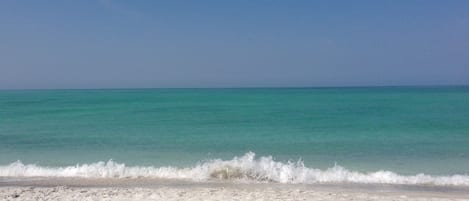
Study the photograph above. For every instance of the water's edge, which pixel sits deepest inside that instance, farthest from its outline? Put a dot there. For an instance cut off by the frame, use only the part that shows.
(246, 168)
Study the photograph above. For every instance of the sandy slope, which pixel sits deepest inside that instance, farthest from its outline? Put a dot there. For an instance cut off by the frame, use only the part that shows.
(202, 193)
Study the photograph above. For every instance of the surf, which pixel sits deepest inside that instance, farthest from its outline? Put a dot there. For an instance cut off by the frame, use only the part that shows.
(244, 168)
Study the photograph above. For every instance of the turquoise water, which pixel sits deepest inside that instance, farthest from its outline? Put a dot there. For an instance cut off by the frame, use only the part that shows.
(407, 130)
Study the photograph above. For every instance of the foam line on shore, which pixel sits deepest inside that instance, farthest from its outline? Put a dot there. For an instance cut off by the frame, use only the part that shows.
(246, 168)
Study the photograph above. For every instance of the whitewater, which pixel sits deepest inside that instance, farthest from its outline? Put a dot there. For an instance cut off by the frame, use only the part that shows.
(245, 168)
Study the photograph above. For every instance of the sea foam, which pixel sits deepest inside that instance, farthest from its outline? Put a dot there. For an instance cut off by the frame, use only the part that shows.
(246, 168)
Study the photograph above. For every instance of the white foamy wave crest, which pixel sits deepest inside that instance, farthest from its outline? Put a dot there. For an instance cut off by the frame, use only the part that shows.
(247, 167)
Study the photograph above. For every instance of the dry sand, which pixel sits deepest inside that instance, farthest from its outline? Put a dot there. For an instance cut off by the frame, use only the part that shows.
(138, 189)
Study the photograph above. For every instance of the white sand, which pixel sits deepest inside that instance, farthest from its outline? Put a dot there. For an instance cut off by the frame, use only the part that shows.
(203, 193)
(157, 189)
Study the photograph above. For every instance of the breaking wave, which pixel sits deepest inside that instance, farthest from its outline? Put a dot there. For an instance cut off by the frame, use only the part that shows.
(247, 167)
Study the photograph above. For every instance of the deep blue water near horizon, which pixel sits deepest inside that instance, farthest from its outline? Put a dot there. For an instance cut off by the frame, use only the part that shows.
(403, 129)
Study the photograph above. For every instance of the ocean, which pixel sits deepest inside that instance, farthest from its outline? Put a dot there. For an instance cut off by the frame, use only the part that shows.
(395, 135)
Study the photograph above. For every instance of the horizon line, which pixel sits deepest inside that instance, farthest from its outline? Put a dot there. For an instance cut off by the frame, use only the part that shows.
(245, 87)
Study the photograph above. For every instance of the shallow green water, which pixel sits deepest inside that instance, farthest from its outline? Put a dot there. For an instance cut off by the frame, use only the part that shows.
(403, 129)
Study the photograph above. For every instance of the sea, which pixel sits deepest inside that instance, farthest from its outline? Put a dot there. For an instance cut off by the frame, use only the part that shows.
(382, 135)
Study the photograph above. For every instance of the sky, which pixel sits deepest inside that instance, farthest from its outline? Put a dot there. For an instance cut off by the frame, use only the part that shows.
(244, 43)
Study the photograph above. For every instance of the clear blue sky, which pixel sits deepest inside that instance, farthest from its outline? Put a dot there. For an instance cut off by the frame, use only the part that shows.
(263, 43)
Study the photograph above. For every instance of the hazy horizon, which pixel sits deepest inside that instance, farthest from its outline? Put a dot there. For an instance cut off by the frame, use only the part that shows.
(248, 87)
(101, 44)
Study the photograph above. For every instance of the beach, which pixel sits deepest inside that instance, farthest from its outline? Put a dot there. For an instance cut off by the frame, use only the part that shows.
(152, 189)
(234, 100)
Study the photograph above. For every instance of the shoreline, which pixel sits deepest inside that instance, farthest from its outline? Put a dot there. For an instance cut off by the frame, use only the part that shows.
(169, 189)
